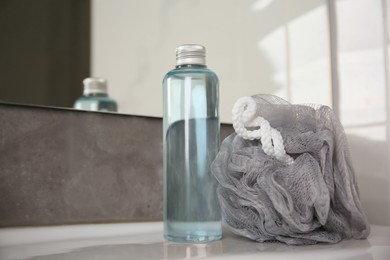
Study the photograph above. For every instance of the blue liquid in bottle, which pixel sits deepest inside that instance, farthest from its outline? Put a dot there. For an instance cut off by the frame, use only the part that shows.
(191, 143)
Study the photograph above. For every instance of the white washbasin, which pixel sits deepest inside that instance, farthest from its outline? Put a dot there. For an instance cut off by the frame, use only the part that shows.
(145, 241)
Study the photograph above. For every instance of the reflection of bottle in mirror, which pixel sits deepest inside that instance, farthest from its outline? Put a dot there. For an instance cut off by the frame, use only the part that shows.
(95, 96)
(191, 142)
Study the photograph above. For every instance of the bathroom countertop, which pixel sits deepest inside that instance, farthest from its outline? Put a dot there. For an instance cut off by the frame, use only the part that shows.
(145, 241)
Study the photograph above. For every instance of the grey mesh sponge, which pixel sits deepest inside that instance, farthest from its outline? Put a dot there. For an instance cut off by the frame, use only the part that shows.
(315, 199)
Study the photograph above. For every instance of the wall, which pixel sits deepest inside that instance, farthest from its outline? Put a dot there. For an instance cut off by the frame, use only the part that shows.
(363, 97)
(253, 46)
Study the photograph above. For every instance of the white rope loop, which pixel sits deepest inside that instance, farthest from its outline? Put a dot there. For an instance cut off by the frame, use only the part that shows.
(244, 115)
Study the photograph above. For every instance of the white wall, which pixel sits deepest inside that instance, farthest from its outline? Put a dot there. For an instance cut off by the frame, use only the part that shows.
(253, 46)
(364, 98)
(279, 47)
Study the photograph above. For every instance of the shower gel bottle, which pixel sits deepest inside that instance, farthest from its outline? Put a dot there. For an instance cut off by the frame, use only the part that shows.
(95, 96)
(191, 143)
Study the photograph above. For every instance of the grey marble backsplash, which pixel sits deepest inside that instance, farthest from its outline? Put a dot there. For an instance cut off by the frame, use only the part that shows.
(63, 166)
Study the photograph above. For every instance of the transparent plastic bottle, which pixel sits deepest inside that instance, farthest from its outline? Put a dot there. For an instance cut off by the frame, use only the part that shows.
(191, 143)
(95, 96)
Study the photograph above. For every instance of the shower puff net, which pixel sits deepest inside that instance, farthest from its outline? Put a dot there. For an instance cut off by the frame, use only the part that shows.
(286, 175)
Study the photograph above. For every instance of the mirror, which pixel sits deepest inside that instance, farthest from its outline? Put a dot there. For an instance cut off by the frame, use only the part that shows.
(254, 46)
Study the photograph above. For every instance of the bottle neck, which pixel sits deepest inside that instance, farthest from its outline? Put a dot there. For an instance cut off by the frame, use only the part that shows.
(191, 66)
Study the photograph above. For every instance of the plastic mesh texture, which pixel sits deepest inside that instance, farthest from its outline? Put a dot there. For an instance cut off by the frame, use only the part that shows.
(315, 199)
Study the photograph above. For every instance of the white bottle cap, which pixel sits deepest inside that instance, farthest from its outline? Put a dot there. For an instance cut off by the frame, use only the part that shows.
(190, 54)
(95, 85)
